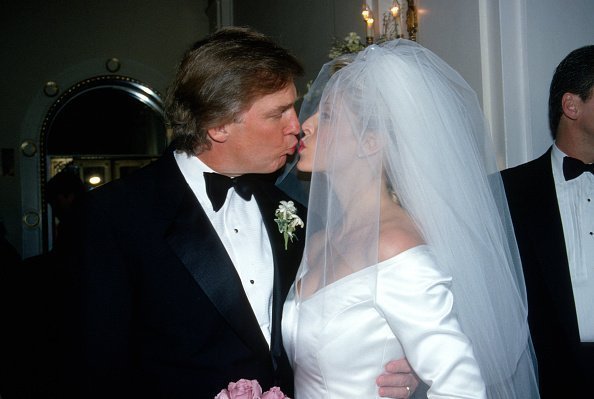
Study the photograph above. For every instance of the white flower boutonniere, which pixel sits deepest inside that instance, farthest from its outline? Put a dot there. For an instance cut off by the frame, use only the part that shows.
(287, 220)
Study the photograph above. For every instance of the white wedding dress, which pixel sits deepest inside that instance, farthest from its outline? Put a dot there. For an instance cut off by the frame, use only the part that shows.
(340, 338)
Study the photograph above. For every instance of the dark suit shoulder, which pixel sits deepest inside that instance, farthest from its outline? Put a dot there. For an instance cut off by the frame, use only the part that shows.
(160, 178)
(149, 198)
(162, 169)
(528, 170)
(528, 179)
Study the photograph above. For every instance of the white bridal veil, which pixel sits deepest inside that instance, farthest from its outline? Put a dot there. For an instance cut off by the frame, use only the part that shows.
(399, 115)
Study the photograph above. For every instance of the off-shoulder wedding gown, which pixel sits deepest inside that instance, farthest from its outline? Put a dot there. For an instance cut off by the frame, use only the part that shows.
(340, 338)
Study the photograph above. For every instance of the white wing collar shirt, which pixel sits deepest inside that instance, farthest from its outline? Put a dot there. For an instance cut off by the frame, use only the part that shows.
(241, 229)
(576, 205)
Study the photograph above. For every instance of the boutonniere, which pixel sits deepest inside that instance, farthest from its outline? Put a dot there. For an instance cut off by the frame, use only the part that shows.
(287, 220)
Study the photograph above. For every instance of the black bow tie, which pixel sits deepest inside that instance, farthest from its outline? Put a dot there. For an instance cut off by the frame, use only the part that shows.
(218, 185)
(572, 168)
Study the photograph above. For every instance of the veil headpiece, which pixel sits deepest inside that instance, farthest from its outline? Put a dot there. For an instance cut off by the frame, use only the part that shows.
(398, 115)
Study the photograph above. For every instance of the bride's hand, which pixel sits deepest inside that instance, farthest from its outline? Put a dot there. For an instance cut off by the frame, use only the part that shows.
(399, 381)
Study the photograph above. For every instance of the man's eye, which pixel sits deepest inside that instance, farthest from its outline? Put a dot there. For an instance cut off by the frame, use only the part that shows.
(277, 115)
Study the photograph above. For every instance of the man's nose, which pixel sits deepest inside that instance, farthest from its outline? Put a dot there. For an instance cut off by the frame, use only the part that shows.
(293, 126)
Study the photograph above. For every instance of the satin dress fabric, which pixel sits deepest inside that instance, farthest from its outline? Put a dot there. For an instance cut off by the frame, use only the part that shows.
(340, 338)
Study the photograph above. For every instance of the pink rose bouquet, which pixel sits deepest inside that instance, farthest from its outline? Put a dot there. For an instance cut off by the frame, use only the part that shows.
(274, 393)
(249, 389)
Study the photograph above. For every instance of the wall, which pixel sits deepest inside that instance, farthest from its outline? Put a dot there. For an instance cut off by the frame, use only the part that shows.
(70, 40)
(451, 29)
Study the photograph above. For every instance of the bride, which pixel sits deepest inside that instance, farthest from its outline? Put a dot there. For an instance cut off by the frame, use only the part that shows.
(409, 246)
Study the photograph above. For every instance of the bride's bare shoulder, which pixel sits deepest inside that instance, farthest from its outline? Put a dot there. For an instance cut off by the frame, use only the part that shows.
(398, 235)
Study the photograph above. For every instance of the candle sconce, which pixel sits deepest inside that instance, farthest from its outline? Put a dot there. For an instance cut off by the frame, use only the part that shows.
(398, 20)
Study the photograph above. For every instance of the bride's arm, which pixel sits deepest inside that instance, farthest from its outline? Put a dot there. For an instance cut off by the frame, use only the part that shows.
(415, 298)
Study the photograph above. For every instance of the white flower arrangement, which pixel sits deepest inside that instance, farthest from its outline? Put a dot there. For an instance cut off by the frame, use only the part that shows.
(287, 220)
(351, 44)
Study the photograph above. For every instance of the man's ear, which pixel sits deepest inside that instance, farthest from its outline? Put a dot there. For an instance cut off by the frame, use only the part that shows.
(218, 134)
(571, 105)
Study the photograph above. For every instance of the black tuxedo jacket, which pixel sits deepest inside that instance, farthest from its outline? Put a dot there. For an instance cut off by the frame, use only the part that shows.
(565, 365)
(157, 309)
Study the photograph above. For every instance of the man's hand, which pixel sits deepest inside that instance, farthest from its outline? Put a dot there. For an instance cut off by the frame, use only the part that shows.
(399, 381)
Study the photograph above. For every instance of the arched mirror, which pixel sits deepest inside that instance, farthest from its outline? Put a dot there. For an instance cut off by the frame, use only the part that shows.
(99, 130)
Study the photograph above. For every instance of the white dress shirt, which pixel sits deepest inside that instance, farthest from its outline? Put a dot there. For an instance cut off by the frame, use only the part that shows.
(576, 205)
(241, 229)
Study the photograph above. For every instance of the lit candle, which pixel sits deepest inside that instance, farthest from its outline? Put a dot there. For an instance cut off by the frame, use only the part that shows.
(394, 10)
(369, 28)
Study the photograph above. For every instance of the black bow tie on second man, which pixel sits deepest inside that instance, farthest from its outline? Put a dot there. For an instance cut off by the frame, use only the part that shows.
(572, 168)
(217, 186)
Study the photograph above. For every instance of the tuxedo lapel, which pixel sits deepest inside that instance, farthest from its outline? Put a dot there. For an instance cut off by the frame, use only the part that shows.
(556, 272)
(549, 242)
(286, 261)
(197, 245)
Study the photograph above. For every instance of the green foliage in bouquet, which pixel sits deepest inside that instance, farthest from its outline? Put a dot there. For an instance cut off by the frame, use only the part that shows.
(350, 44)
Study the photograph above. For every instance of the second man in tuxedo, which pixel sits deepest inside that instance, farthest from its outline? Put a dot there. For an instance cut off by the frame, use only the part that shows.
(551, 202)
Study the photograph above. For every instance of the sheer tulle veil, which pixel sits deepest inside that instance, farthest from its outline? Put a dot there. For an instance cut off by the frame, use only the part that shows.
(398, 115)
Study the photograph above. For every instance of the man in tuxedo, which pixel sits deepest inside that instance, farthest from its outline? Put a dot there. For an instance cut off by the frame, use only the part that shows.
(178, 273)
(551, 201)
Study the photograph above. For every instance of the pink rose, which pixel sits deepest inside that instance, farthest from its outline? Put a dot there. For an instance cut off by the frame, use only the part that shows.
(274, 393)
(242, 389)
(224, 394)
